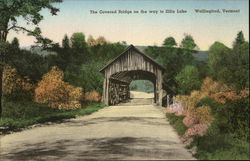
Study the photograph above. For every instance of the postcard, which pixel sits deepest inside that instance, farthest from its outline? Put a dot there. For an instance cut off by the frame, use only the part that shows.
(124, 80)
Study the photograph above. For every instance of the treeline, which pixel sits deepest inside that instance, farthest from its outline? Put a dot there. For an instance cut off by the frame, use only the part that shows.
(65, 78)
(184, 73)
(79, 59)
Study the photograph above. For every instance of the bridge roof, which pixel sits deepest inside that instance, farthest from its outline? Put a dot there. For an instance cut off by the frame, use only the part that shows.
(131, 47)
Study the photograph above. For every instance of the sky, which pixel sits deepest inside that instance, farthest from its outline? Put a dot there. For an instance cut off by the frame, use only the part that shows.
(145, 29)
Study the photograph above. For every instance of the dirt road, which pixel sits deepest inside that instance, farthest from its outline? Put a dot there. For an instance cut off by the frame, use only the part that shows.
(125, 132)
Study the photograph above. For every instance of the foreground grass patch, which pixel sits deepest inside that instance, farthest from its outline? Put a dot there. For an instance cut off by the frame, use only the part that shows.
(12, 123)
(221, 147)
(176, 122)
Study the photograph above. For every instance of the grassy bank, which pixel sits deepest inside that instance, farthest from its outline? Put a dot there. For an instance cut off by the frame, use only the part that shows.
(176, 122)
(214, 145)
(42, 114)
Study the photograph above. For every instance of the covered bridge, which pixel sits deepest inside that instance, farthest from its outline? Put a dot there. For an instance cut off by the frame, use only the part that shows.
(130, 65)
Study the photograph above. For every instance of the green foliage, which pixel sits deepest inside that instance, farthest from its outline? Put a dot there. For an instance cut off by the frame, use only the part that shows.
(65, 42)
(239, 40)
(169, 42)
(29, 10)
(230, 65)
(176, 122)
(218, 55)
(24, 109)
(28, 64)
(106, 52)
(188, 42)
(221, 147)
(15, 43)
(174, 60)
(188, 79)
(78, 41)
(142, 86)
(232, 117)
(87, 75)
(91, 78)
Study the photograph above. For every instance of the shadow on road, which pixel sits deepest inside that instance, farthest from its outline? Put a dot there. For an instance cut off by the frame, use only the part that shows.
(99, 148)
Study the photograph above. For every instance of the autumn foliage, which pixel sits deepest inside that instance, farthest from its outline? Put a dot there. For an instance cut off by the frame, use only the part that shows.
(198, 119)
(223, 97)
(53, 91)
(12, 81)
(92, 96)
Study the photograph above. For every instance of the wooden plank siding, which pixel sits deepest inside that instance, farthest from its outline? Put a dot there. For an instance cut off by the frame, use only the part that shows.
(128, 66)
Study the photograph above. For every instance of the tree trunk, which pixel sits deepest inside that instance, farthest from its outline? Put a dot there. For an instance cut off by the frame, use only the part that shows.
(3, 38)
(1, 88)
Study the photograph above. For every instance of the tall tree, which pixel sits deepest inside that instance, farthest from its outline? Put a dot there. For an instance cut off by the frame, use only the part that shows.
(78, 41)
(218, 59)
(169, 42)
(15, 42)
(30, 11)
(91, 41)
(188, 42)
(239, 39)
(65, 42)
(188, 79)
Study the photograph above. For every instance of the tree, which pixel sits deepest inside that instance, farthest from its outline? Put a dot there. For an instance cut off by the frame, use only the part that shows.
(78, 41)
(188, 42)
(169, 42)
(239, 39)
(91, 41)
(15, 42)
(218, 60)
(65, 42)
(30, 11)
(101, 40)
(188, 79)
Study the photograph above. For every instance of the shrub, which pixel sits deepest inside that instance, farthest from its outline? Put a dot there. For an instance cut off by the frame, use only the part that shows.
(189, 121)
(92, 96)
(202, 115)
(53, 91)
(12, 81)
(223, 97)
(209, 87)
(197, 129)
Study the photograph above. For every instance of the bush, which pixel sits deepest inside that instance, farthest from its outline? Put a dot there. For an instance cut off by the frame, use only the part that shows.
(231, 117)
(223, 97)
(197, 129)
(189, 121)
(176, 122)
(12, 81)
(92, 96)
(53, 91)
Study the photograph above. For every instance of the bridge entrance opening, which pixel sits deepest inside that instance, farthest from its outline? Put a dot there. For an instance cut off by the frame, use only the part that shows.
(142, 92)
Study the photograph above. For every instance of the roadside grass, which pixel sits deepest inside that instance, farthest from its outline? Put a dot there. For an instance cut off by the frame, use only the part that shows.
(40, 114)
(221, 147)
(215, 145)
(176, 122)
